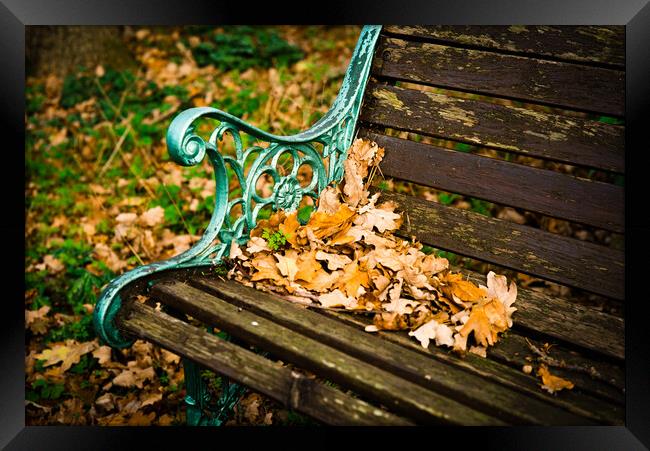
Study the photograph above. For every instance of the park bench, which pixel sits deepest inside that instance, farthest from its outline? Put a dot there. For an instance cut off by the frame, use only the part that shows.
(557, 82)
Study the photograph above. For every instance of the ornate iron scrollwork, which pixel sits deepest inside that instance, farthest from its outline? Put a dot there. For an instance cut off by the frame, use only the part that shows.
(334, 132)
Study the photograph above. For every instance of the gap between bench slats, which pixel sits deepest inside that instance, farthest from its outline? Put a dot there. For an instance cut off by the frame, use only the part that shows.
(495, 368)
(398, 395)
(560, 85)
(490, 385)
(564, 260)
(604, 45)
(280, 383)
(543, 191)
(568, 139)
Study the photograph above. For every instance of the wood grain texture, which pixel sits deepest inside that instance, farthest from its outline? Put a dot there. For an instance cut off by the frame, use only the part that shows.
(564, 260)
(558, 84)
(528, 384)
(543, 191)
(280, 383)
(550, 316)
(447, 372)
(581, 44)
(396, 394)
(532, 133)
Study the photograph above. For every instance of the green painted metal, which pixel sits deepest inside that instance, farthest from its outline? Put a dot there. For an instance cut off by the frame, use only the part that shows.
(201, 411)
(333, 133)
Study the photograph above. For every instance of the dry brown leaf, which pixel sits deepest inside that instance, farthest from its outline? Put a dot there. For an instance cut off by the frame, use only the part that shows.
(152, 217)
(134, 376)
(479, 323)
(456, 288)
(552, 383)
(287, 265)
(36, 320)
(328, 201)
(334, 261)
(337, 298)
(433, 330)
(353, 278)
(103, 354)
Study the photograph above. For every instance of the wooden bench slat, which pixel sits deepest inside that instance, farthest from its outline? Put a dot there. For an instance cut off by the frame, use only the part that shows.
(564, 260)
(599, 90)
(543, 191)
(583, 44)
(549, 315)
(439, 375)
(533, 133)
(607, 384)
(315, 399)
(491, 368)
(400, 396)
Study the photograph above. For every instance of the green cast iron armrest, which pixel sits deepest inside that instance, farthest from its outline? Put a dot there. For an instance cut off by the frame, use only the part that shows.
(334, 131)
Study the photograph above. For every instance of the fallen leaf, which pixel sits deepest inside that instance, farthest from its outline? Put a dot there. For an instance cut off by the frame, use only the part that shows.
(552, 383)
(334, 261)
(337, 298)
(433, 330)
(152, 217)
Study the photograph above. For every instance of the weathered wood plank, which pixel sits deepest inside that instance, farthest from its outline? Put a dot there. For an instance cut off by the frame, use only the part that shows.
(558, 84)
(551, 316)
(583, 44)
(595, 377)
(398, 395)
(533, 133)
(568, 261)
(527, 384)
(489, 396)
(280, 383)
(539, 190)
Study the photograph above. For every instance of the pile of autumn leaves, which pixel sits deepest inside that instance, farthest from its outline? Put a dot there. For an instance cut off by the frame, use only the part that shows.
(347, 257)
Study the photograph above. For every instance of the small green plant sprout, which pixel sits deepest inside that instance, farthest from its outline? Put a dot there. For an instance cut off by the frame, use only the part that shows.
(276, 240)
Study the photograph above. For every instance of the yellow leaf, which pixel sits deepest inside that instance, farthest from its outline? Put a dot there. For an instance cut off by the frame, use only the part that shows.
(479, 324)
(289, 228)
(287, 266)
(552, 383)
(455, 287)
(324, 225)
(308, 267)
(334, 261)
(352, 279)
(336, 298)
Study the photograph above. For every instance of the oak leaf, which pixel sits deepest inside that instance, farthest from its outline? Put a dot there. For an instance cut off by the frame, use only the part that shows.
(328, 200)
(308, 267)
(461, 290)
(336, 298)
(479, 323)
(287, 266)
(497, 287)
(352, 279)
(433, 330)
(334, 261)
(552, 383)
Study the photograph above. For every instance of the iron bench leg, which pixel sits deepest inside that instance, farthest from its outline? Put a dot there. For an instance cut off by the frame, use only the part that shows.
(200, 409)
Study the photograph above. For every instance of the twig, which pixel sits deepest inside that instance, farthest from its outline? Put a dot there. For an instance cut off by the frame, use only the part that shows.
(116, 149)
(550, 361)
(176, 207)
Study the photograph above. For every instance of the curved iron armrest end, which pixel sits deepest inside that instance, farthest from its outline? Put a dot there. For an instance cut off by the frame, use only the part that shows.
(334, 132)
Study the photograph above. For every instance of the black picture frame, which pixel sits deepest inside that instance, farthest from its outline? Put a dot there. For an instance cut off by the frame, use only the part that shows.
(15, 15)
